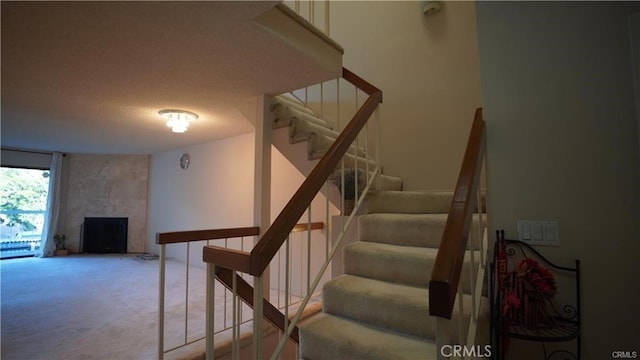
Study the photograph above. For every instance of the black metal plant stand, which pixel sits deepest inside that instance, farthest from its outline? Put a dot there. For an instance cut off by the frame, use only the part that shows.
(561, 316)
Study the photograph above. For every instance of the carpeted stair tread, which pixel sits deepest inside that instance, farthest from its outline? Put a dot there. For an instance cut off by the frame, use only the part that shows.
(349, 159)
(305, 125)
(403, 264)
(291, 101)
(420, 230)
(423, 230)
(383, 304)
(410, 202)
(400, 264)
(397, 307)
(284, 112)
(320, 143)
(387, 183)
(301, 130)
(384, 183)
(330, 337)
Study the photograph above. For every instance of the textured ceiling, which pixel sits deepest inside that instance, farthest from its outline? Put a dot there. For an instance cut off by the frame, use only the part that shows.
(90, 77)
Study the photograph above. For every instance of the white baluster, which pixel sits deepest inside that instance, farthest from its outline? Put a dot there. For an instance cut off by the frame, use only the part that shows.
(460, 313)
(235, 338)
(308, 247)
(186, 295)
(161, 302)
(210, 312)
(258, 296)
(327, 14)
(442, 335)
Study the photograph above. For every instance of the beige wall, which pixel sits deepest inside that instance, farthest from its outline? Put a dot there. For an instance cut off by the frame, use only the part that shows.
(427, 68)
(216, 191)
(106, 186)
(563, 145)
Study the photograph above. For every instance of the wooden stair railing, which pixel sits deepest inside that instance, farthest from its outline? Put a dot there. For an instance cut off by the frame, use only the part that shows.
(258, 259)
(447, 267)
(445, 283)
(263, 252)
(178, 237)
(244, 290)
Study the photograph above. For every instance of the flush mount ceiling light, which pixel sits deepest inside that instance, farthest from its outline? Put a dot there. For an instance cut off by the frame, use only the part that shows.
(178, 120)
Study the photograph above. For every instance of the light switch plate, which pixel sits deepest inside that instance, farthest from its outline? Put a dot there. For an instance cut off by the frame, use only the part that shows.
(539, 232)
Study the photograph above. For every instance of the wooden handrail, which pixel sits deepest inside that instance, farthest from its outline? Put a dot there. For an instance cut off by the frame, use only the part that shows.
(245, 291)
(198, 235)
(228, 258)
(264, 251)
(214, 234)
(310, 226)
(360, 83)
(241, 260)
(447, 267)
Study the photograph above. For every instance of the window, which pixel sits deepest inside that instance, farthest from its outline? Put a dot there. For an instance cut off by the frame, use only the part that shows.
(23, 203)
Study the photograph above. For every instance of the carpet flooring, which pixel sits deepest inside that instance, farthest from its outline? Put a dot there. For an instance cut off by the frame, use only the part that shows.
(95, 307)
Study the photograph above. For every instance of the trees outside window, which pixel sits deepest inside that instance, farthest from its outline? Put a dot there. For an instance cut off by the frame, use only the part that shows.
(23, 203)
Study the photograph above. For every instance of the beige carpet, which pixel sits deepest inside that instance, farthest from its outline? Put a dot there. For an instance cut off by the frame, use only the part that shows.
(379, 308)
(95, 307)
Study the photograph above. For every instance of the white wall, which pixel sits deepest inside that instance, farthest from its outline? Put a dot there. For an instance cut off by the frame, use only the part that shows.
(558, 95)
(427, 68)
(216, 191)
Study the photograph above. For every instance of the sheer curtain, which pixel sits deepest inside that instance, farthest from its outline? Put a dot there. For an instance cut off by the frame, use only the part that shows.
(48, 245)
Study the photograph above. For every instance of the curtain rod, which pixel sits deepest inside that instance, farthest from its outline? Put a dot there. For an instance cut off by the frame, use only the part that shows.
(32, 151)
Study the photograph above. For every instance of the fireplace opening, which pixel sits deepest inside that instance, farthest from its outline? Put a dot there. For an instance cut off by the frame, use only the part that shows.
(103, 235)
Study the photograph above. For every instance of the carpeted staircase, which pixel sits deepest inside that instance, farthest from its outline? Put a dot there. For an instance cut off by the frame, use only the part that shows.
(304, 125)
(379, 308)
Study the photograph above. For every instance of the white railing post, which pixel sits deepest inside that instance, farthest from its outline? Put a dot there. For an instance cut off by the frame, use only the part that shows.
(378, 143)
(236, 310)
(161, 302)
(327, 15)
(210, 311)
(186, 295)
(460, 312)
(308, 249)
(262, 177)
(258, 296)
(472, 273)
(442, 335)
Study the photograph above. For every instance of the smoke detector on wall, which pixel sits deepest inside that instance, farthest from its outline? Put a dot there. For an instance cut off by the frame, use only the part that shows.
(430, 7)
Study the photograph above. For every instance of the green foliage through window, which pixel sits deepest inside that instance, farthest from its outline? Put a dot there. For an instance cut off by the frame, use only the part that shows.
(22, 190)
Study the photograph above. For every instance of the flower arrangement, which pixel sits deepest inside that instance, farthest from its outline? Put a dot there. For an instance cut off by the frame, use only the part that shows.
(350, 176)
(525, 293)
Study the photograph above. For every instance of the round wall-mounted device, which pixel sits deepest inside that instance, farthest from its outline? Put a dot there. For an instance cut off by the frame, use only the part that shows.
(184, 161)
(430, 7)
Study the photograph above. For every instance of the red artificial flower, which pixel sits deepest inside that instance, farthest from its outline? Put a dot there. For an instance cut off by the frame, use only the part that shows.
(510, 300)
(539, 277)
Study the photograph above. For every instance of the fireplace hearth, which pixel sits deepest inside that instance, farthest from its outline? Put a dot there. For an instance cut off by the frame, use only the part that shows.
(103, 235)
